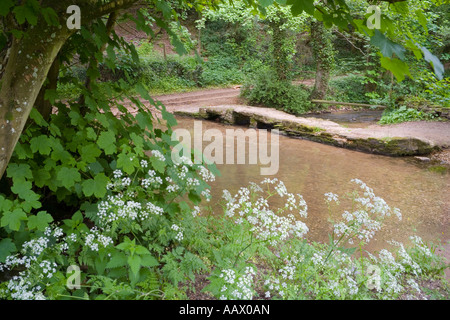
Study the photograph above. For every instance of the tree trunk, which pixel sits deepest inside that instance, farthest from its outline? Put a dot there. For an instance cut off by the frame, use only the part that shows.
(324, 57)
(26, 70)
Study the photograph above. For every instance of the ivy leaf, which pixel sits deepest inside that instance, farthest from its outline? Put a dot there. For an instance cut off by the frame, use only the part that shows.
(50, 16)
(386, 46)
(68, 177)
(90, 134)
(96, 186)
(6, 248)
(12, 219)
(39, 221)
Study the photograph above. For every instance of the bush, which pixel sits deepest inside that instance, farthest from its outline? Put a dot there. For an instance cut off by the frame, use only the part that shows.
(404, 114)
(265, 89)
(348, 88)
(98, 191)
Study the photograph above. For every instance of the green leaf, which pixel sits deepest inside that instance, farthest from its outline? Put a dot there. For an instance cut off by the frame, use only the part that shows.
(5, 204)
(157, 164)
(127, 162)
(19, 172)
(50, 16)
(135, 263)
(68, 176)
(434, 61)
(422, 19)
(41, 144)
(118, 259)
(143, 91)
(141, 250)
(298, 6)
(12, 219)
(37, 117)
(41, 177)
(22, 188)
(6, 248)
(39, 221)
(265, 3)
(149, 261)
(399, 68)
(96, 186)
(106, 141)
(90, 134)
(89, 153)
(51, 95)
(5, 6)
(386, 46)
(27, 13)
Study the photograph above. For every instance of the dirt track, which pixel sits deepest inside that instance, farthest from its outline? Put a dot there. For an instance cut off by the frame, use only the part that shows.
(200, 98)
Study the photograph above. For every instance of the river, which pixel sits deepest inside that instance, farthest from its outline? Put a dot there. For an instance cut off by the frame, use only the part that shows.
(312, 169)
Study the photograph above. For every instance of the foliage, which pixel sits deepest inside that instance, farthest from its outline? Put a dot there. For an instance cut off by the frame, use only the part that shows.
(128, 194)
(404, 114)
(348, 88)
(266, 89)
(262, 250)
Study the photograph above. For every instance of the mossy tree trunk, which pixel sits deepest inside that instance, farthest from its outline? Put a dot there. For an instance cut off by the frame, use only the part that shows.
(280, 59)
(322, 48)
(28, 59)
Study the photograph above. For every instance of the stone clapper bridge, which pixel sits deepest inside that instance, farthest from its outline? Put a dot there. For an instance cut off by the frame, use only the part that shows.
(383, 140)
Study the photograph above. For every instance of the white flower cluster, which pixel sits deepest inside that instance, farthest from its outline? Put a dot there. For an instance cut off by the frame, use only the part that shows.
(158, 155)
(196, 211)
(331, 197)
(48, 268)
(179, 235)
(20, 288)
(266, 224)
(94, 238)
(421, 246)
(375, 205)
(237, 288)
(206, 175)
(115, 208)
(366, 219)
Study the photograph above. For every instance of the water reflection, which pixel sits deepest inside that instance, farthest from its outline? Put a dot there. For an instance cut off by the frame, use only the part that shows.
(313, 169)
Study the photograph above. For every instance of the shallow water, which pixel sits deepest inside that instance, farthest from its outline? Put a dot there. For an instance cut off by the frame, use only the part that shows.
(313, 169)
